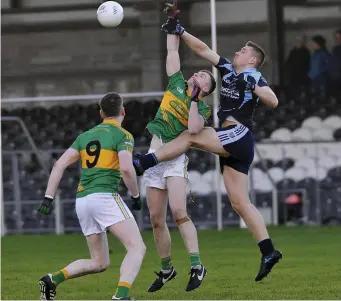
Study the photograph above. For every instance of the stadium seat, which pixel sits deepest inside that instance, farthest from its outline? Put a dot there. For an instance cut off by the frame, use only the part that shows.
(295, 173)
(281, 134)
(323, 134)
(333, 122)
(285, 163)
(276, 173)
(312, 123)
(293, 151)
(302, 134)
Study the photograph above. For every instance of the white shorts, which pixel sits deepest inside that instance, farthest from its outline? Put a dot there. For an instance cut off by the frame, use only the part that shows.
(157, 175)
(97, 211)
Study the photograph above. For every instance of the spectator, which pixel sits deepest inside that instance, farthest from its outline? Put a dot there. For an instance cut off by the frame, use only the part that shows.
(334, 66)
(318, 63)
(297, 66)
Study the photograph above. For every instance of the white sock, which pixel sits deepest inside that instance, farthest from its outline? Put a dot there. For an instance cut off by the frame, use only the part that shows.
(197, 267)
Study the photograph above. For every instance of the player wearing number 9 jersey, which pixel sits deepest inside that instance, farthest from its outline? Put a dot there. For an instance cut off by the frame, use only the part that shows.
(105, 153)
(99, 148)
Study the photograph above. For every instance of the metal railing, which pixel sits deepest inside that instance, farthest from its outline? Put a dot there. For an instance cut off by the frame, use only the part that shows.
(17, 196)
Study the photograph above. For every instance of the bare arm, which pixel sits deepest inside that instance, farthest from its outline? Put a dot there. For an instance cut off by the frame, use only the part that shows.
(267, 96)
(173, 58)
(128, 172)
(70, 157)
(195, 121)
(200, 48)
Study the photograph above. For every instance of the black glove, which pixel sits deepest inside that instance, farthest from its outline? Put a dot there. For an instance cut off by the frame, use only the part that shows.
(250, 83)
(172, 26)
(46, 206)
(136, 203)
(195, 92)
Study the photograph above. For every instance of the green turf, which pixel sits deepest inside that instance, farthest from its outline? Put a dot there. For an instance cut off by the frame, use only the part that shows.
(310, 268)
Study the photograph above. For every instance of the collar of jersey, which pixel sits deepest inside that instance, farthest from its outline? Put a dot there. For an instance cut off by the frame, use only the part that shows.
(189, 94)
(111, 121)
(245, 70)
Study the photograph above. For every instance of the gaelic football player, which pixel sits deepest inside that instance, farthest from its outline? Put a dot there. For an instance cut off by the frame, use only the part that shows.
(105, 152)
(166, 183)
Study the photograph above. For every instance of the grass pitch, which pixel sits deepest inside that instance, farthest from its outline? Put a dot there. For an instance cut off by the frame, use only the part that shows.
(310, 268)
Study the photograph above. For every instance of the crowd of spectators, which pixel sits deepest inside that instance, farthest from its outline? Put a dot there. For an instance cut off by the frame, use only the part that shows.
(312, 68)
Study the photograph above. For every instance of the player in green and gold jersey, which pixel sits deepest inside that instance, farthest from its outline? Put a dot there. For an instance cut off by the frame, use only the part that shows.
(105, 153)
(168, 180)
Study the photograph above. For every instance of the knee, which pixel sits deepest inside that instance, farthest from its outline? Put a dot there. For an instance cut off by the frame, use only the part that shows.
(138, 247)
(238, 203)
(180, 216)
(157, 222)
(101, 265)
(142, 249)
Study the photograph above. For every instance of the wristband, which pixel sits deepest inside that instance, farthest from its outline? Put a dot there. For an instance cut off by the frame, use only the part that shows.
(50, 197)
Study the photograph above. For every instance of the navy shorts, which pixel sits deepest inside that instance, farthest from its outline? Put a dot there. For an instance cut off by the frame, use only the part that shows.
(238, 141)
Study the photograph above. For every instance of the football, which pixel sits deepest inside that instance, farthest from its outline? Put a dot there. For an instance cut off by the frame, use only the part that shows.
(110, 14)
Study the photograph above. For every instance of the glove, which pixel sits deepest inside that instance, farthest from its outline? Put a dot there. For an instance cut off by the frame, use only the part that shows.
(172, 26)
(250, 83)
(195, 92)
(46, 206)
(136, 203)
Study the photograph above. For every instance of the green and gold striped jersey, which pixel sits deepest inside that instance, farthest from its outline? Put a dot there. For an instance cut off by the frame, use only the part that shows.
(172, 117)
(98, 148)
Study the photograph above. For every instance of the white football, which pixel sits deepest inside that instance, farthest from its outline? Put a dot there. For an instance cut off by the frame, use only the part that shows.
(110, 14)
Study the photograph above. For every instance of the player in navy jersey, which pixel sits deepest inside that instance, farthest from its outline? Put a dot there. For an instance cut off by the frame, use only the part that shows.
(242, 86)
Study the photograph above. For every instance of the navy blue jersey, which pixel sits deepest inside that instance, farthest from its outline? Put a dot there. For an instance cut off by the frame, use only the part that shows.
(235, 99)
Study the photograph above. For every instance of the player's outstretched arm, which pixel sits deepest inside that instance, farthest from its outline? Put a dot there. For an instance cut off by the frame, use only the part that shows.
(128, 172)
(69, 157)
(200, 48)
(173, 58)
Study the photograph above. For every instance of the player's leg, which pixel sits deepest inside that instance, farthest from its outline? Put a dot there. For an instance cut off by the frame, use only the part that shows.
(236, 184)
(239, 143)
(98, 247)
(129, 234)
(110, 212)
(206, 140)
(157, 205)
(177, 202)
(99, 262)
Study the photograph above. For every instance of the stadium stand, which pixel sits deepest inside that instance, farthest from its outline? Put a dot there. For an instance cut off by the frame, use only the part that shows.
(294, 162)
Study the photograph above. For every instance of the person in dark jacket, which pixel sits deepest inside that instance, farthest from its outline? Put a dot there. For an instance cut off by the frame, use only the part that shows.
(297, 66)
(334, 66)
(318, 63)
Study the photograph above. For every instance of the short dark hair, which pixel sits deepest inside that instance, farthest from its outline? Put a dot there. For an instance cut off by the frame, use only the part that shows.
(111, 104)
(213, 82)
(319, 40)
(259, 51)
